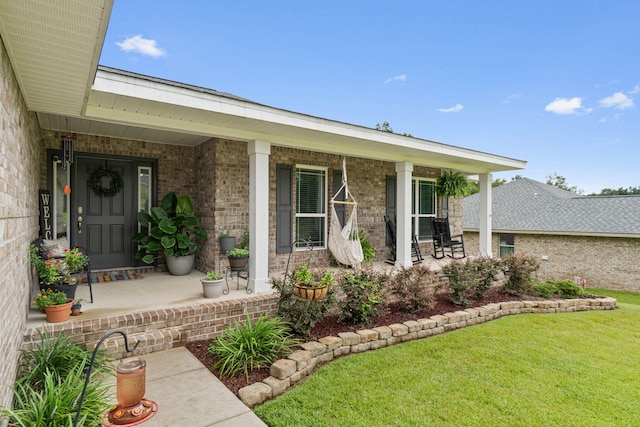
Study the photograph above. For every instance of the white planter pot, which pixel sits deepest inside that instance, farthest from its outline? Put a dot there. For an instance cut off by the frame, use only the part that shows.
(181, 265)
(212, 288)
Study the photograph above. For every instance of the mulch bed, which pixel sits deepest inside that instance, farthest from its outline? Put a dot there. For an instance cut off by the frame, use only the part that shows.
(331, 326)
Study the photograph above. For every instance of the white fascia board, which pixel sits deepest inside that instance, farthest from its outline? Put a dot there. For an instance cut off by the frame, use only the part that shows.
(179, 95)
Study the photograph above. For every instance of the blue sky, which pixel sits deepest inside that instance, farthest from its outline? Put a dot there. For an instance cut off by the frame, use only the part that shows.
(555, 83)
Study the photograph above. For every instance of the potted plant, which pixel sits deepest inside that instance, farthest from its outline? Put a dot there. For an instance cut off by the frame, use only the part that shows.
(227, 242)
(56, 305)
(56, 273)
(311, 286)
(212, 284)
(170, 229)
(238, 258)
(76, 307)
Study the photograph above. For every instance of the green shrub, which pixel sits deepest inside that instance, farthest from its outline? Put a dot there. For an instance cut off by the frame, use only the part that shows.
(487, 270)
(462, 277)
(51, 378)
(568, 289)
(414, 287)
(519, 270)
(561, 289)
(544, 289)
(249, 346)
(55, 354)
(300, 314)
(55, 404)
(364, 294)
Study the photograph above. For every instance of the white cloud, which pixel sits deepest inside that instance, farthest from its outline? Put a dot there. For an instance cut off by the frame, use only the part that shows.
(565, 106)
(635, 90)
(511, 98)
(454, 109)
(618, 100)
(398, 78)
(141, 45)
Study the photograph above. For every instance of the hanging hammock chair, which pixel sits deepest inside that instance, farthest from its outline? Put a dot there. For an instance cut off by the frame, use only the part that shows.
(344, 242)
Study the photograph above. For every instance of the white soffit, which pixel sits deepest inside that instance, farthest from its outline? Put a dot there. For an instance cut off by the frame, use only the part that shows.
(54, 47)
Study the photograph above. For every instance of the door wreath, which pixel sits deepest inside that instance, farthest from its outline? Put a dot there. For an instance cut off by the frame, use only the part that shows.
(95, 182)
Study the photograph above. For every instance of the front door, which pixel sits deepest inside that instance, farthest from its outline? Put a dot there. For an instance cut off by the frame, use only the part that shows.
(103, 220)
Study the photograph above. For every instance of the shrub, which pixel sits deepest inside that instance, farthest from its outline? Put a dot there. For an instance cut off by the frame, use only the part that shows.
(561, 289)
(364, 293)
(414, 287)
(249, 346)
(462, 277)
(300, 314)
(55, 354)
(50, 379)
(487, 270)
(56, 403)
(519, 270)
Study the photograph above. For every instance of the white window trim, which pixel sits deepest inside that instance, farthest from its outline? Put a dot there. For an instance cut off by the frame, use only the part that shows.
(325, 215)
(414, 183)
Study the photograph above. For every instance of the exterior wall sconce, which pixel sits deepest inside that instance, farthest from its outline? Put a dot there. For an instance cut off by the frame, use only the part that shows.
(132, 408)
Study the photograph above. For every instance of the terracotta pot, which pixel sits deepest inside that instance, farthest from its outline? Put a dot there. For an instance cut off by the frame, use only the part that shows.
(59, 313)
(310, 292)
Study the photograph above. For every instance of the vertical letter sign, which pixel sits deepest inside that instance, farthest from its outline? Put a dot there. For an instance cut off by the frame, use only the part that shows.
(45, 214)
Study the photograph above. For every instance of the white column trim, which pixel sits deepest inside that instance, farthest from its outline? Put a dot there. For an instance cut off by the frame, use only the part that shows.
(259, 152)
(404, 173)
(485, 215)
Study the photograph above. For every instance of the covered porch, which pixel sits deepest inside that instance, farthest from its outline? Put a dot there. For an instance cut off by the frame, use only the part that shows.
(165, 311)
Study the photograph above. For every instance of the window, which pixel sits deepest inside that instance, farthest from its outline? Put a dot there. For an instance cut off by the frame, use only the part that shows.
(423, 207)
(311, 205)
(61, 202)
(144, 190)
(507, 245)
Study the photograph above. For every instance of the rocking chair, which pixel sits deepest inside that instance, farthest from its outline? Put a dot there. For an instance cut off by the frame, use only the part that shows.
(416, 255)
(443, 241)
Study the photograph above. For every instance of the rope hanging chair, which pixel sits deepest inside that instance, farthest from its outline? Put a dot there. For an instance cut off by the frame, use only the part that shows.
(344, 242)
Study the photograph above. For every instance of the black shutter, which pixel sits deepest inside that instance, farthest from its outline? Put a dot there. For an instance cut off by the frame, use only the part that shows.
(391, 204)
(284, 208)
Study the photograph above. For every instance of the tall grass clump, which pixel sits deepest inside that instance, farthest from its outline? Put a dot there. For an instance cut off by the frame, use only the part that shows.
(249, 346)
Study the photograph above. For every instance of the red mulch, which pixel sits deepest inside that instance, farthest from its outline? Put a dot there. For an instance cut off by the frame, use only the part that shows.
(330, 326)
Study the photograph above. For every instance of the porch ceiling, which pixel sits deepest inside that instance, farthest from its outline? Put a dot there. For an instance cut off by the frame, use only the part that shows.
(54, 47)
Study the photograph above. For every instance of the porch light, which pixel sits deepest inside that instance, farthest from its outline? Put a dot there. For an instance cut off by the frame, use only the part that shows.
(67, 151)
(132, 408)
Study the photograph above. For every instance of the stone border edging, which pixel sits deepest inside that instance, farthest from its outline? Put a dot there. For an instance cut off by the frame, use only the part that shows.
(286, 372)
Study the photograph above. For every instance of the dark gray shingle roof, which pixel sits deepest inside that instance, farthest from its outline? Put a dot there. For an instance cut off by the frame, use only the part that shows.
(530, 206)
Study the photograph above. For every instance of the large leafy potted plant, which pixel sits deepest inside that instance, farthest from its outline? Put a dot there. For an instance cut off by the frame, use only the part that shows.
(172, 230)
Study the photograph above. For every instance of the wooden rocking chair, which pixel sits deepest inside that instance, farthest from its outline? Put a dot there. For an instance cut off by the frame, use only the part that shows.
(443, 241)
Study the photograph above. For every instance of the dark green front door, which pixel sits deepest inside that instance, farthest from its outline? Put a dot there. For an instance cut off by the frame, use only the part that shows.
(107, 223)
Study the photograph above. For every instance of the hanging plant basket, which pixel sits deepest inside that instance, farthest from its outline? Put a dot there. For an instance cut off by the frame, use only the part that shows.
(310, 293)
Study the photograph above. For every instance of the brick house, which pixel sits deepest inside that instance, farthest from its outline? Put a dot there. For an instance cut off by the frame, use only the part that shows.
(241, 162)
(586, 237)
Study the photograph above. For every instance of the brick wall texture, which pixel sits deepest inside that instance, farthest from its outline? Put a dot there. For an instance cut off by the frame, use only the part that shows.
(606, 262)
(19, 164)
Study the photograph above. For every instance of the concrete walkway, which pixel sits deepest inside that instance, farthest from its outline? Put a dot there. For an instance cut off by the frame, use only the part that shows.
(188, 394)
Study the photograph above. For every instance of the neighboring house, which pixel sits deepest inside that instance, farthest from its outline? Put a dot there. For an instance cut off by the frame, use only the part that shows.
(246, 166)
(596, 238)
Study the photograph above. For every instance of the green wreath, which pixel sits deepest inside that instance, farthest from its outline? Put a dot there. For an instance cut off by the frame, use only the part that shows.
(95, 181)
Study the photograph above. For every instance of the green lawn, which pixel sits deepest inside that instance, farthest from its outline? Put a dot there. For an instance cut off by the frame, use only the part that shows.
(571, 369)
